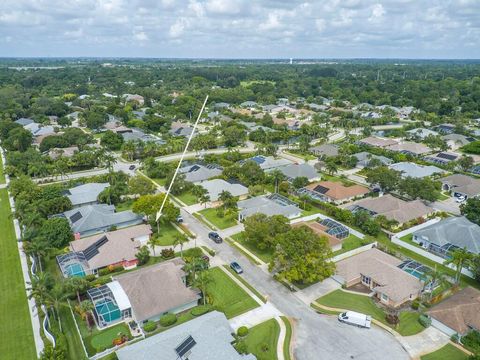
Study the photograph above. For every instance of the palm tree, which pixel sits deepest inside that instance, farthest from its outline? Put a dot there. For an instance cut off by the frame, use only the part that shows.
(204, 199)
(78, 285)
(180, 239)
(38, 249)
(460, 258)
(277, 177)
(331, 167)
(84, 308)
(201, 282)
(40, 285)
(56, 297)
(434, 277)
(154, 241)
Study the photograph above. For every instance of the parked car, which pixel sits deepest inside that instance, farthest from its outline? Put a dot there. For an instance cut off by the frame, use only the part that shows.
(131, 167)
(215, 237)
(460, 198)
(236, 267)
(179, 219)
(355, 318)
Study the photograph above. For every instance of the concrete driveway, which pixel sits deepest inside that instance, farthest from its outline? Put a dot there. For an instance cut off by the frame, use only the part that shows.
(313, 292)
(317, 337)
(449, 205)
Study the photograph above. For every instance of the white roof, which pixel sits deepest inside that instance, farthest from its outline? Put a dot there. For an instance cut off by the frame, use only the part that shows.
(216, 186)
(120, 296)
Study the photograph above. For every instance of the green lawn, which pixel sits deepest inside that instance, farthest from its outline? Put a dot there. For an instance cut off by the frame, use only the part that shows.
(448, 352)
(312, 211)
(304, 156)
(74, 343)
(262, 340)
(288, 338)
(264, 255)
(409, 324)
(187, 198)
(350, 243)
(227, 296)
(167, 234)
(246, 283)
(124, 205)
(161, 182)
(15, 325)
(220, 223)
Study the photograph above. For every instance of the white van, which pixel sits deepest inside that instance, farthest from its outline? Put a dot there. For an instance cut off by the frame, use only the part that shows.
(354, 318)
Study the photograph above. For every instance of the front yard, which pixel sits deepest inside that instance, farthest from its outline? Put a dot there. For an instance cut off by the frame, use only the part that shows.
(16, 327)
(340, 299)
(262, 339)
(264, 255)
(187, 198)
(448, 352)
(219, 222)
(167, 234)
(226, 296)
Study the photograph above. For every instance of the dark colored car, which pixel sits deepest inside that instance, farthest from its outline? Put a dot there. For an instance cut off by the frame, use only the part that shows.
(236, 267)
(215, 237)
(131, 167)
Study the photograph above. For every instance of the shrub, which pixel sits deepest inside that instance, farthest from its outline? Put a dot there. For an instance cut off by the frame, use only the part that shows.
(415, 304)
(200, 310)
(104, 271)
(90, 277)
(168, 253)
(425, 320)
(242, 331)
(168, 319)
(101, 281)
(472, 341)
(241, 347)
(455, 338)
(150, 326)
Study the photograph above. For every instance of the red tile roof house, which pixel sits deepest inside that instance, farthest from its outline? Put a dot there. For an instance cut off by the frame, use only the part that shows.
(335, 192)
(380, 273)
(457, 314)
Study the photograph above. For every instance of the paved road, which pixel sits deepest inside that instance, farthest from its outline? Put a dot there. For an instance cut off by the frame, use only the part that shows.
(317, 336)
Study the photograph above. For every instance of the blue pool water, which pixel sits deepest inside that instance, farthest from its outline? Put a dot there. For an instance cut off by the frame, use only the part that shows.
(75, 270)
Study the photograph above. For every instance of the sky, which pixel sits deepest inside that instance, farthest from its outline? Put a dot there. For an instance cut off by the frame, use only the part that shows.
(447, 29)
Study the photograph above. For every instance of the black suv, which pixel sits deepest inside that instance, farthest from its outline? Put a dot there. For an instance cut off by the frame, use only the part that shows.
(215, 237)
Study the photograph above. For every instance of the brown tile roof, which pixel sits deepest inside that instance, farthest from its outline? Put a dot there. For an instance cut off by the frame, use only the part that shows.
(395, 209)
(120, 245)
(383, 269)
(157, 289)
(338, 191)
(412, 147)
(320, 230)
(459, 312)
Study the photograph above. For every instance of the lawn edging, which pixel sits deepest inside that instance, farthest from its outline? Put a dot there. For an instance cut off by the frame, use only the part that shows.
(247, 284)
(287, 343)
(254, 259)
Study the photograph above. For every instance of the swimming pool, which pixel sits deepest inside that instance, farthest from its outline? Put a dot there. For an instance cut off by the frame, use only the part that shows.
(108, 310)
(75, 269)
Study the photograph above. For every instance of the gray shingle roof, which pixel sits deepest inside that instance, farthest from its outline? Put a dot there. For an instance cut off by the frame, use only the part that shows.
(216, 186)
(264, 205)
(293, 171)
(86, 193)
(458, 231)
(365, 157)
(415, 170)
(197, 172)
(211, 332)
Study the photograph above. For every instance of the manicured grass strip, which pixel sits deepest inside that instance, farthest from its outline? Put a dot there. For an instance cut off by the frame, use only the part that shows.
(323, 311)
(167, 234)
(339, 299)
(16, 332)
(2, 175)
(288, 338)
(74, 343)
(264, 255)
(246, 283)
(219, 222)
(350, 243)
(448, 352)
(124, 205)
(262, 340)
(249, 257)
(187, 198)
(227, 296)
(202, 220)
(104, 339)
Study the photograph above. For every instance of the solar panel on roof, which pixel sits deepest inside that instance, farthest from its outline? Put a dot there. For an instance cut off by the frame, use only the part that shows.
(194, 168)
(446, 156)
(92, 250)
(185, 346)
(75, 217)
(259, 159)
(321, 189)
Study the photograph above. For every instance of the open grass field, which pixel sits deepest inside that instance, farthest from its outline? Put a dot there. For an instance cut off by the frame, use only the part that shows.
(16, 332)
(167, 234)
(262, 340)
(227, 296)
(409, 324)
(220, 223)
(448, 352)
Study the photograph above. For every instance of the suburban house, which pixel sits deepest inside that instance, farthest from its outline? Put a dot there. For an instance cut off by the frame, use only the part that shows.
(293, 171)
(461, 185)
(274, 204)
(409, 169)
(134, 98)
(206, 337)
(216, 186)
(421, 133)
(39, 129)
(442, 158)
(379, 142)
(381, 274)
(364, 158)
(24, 121)
(456, 141)
(458, 314)
(334, 192)
(180, 129)
(325, 150)
(144, 294)
(445, 128)
(410, 148)
(332, 230)
(393, 208)
(248, 104)
(92, 219)
(113, 248)
(85, 194)
(136, 134)
(449, 234)
(196, 173)
(67, 152)
(268, 162)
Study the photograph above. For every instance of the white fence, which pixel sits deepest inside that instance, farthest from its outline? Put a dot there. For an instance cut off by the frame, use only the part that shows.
(354, 252)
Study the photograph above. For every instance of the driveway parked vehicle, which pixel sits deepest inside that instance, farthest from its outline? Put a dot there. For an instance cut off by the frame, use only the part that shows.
(215, 237)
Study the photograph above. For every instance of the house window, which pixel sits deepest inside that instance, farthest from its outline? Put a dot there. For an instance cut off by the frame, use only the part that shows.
(366, 280)
(384, 297)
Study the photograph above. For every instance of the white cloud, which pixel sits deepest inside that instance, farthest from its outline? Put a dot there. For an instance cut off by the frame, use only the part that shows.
(178, 28)
(377, 13)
